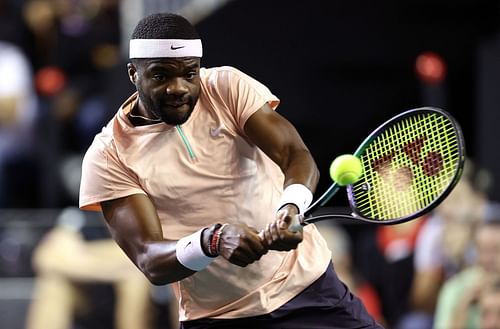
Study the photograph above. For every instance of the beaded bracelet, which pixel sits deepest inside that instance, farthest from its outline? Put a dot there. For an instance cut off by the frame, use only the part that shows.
(212, 244)
(217, 237)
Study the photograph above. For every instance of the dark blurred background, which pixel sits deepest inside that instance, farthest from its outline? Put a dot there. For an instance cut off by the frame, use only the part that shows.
(340, 68)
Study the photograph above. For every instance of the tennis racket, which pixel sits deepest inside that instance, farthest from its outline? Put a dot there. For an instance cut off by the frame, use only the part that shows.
(410, 165)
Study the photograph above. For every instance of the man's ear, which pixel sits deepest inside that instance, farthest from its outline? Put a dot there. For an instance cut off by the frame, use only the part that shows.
(132, 72)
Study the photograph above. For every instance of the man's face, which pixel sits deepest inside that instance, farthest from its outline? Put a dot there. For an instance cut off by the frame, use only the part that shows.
(489, 304)
(488, 247)
(168, 87)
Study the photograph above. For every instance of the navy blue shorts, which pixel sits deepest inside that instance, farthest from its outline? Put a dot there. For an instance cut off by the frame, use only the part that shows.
(325, 304)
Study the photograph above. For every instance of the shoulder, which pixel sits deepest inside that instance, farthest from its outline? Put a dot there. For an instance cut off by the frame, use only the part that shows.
(428, 249)
(216, 77)
(431, 229)
(210, 72)
(14, 65)
(227, 76)
(228, 81)
(462, 280)
(10, 52)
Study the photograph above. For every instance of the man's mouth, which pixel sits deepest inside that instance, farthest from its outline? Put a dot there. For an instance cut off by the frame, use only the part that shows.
(176, 105)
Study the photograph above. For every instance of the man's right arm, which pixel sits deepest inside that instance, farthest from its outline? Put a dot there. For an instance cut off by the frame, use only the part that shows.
(135, 226)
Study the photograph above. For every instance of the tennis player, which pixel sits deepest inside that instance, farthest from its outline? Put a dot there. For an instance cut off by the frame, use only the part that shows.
(188, 172)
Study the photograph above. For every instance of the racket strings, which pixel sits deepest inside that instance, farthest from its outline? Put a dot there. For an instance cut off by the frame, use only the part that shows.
(407, 167)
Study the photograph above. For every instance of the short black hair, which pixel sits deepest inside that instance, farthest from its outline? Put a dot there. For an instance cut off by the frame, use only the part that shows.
(164, 26)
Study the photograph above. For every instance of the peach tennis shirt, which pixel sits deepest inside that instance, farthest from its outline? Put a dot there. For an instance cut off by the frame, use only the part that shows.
(200, 173)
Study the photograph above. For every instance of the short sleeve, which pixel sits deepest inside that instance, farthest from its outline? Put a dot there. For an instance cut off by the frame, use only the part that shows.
(104, 177)
(242, 94)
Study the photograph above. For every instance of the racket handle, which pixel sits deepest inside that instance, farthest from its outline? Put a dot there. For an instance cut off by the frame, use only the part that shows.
(295, 226)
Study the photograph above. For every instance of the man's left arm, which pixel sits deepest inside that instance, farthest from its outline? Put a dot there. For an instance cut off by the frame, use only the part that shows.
(279, 139)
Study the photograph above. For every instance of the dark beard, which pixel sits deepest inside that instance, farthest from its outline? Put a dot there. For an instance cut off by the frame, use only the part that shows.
(155, 109)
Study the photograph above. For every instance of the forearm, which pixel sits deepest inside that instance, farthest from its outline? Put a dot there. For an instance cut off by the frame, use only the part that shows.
(425, 289)
(167, 261)
(301, 169)
(159, 263)
(134, 225)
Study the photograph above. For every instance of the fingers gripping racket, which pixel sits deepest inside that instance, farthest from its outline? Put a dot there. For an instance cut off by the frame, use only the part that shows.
(410, 164)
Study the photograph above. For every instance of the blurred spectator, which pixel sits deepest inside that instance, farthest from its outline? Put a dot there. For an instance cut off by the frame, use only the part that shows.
(18, 114)
(76, 56)
(489, 305)
(77, 46)
(80, 36)
(444, 245)
(384, 256)
(339, 242)
(83, 278)
(458, 306)
(67, 269)
(76, 264)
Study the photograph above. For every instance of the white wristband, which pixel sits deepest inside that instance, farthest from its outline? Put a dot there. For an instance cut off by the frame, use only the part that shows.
(190, 253)
(297, 194)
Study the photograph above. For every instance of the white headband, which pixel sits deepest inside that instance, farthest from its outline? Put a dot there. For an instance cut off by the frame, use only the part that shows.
(165, 48)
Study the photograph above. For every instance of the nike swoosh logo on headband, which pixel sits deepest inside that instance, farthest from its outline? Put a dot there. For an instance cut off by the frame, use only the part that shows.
(175, 48)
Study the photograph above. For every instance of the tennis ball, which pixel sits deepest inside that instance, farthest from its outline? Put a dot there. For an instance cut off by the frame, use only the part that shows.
(346, 169)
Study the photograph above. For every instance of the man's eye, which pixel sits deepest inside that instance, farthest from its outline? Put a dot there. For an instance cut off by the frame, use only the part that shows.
(159, 77)
(191, 75)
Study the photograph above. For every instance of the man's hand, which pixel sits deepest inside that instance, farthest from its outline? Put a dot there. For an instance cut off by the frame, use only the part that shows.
(276, 235)
(241, 245)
